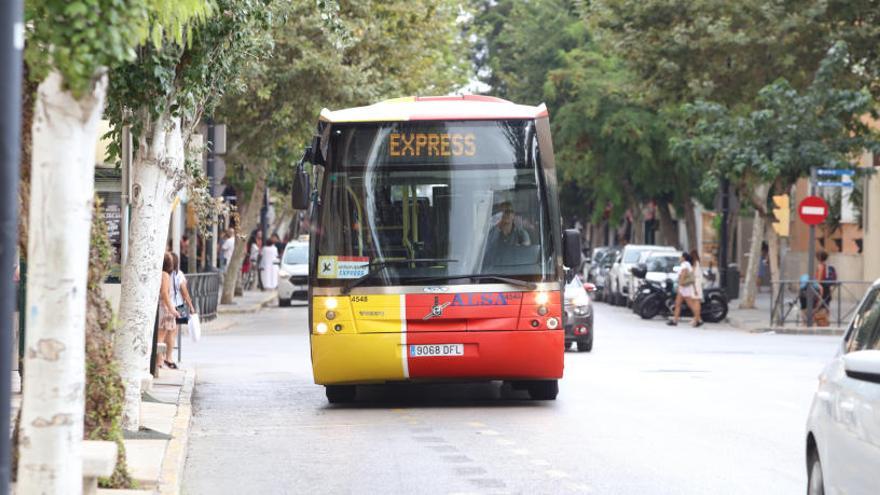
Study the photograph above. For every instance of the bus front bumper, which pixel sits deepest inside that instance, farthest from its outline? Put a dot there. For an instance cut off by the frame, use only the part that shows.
(385, 357)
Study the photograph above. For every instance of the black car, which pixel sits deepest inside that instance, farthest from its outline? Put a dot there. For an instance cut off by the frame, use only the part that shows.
(578, 315)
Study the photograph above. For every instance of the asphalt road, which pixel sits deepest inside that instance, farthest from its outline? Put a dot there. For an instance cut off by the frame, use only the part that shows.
(652, 410)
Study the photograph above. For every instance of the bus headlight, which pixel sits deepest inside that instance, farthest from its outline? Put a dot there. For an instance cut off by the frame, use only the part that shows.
(541, 298)
(331, 303)
(330, 315)
(552, 323)
(321, 328)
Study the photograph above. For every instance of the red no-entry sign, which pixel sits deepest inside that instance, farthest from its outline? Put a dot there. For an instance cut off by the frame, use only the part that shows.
(813, 210)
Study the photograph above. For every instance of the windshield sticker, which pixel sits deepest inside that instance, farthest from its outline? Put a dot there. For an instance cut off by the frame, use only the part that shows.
(343, 266)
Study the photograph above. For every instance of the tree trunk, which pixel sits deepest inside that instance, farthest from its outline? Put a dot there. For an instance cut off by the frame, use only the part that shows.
(690, 222)
(667, 226)
(28, 94)
(62, 187)
(157, 175)
(250, 216)
(192, 252)
(750, 288)
(638, 225)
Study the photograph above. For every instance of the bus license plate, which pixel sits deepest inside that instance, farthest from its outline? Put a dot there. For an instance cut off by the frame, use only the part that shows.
(429, 350)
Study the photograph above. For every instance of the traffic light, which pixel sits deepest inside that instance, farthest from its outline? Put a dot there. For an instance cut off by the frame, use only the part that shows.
(782, 213)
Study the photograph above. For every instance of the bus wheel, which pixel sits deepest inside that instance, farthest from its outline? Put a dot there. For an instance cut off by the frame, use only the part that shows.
(544, 390)
(340, 394)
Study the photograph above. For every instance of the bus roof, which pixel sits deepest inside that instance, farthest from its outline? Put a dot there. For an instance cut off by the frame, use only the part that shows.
(465, 107)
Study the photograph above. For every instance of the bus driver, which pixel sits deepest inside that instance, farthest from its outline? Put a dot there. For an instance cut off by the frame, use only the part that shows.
(506, 233)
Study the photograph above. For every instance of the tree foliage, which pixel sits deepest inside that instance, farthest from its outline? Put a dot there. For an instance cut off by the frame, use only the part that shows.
(80, 38)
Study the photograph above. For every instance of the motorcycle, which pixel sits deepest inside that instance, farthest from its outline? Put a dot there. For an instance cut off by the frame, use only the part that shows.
(659, 298)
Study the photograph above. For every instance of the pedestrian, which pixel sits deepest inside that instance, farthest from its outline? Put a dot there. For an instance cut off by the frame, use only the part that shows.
(278, 244)
(698, 287)
(269, 266)
(823, 278)
(184, 253)
(685, 292)
(181, 299)
(227, 248)
(167, 313)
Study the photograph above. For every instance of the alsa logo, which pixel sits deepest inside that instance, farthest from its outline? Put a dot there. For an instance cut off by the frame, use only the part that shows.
(484, 299)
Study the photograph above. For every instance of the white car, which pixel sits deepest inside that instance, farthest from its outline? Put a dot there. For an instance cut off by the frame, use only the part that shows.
(293, 275)
(660, 266)
(843, 430)
(620, 276)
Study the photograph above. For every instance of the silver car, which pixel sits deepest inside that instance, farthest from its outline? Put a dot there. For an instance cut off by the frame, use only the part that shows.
(843, 430)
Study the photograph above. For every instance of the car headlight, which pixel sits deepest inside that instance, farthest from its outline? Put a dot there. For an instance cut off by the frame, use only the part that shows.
(583, 310)
(283, 274)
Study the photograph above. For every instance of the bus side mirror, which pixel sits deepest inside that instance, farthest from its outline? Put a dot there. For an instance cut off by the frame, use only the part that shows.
(571, 248)
(300, 193)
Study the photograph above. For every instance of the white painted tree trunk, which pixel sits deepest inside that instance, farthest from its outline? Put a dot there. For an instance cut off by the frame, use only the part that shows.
(65, 131)
(750, 288)
(157, 174)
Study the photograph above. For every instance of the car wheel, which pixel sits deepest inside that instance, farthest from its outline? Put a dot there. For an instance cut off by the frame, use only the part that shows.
(283, 303)
(585, 345)
(815, 480)
(543, 389)
(340, 394)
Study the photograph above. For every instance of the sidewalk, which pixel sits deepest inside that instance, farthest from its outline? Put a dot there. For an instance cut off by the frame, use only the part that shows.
(250, 302)
(758, 320)
(156, 454)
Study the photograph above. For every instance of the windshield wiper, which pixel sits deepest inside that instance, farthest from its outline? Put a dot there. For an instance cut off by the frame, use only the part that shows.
(478, 276)
(377, 267)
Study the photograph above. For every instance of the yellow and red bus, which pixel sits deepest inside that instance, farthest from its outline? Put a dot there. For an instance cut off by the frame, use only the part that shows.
(436, 247)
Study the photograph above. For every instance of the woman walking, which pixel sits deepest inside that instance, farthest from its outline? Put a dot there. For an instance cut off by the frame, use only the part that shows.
(167, 313)
(182, 303)
(686, 291)
(269, 266)
(697, 308)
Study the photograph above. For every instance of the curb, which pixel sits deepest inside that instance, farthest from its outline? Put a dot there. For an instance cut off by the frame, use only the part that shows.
(170, 476)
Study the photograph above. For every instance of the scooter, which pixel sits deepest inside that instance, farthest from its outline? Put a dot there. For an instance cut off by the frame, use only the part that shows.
(659, 298)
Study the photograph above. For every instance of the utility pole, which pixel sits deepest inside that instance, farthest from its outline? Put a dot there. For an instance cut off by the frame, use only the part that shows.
(811, 258)
(725, 213)
(11, 45)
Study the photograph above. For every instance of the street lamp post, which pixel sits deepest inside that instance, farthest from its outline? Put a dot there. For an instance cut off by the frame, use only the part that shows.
(11, 44)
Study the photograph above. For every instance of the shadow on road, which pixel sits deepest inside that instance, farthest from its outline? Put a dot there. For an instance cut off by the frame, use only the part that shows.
(438, 395)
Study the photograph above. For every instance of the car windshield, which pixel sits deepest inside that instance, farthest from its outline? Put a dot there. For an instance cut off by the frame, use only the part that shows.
(632, 255)
(663, 264)
(457, 198)
(296, 255)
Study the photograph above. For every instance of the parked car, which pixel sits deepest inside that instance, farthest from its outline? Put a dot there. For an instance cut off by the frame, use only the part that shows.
(843, 429)
(653, 266)
(620, 274)
(578, 315)
(599, 268)
(293, 275)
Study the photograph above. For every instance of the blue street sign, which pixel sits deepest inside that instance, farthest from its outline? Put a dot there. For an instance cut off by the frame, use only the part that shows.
(823, 183)
(835, 172)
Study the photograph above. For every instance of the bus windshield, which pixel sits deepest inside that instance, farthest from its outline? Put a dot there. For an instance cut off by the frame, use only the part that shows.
(459, 198)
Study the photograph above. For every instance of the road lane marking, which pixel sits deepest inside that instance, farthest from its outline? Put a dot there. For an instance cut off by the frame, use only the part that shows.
(491, 433)
(476, 424)
(520, 451)
(505, 442)
(540, 462)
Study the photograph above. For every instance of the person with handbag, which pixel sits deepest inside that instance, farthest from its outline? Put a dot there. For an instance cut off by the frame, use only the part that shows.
(168, 315)
(687, 292)
(182, 303)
